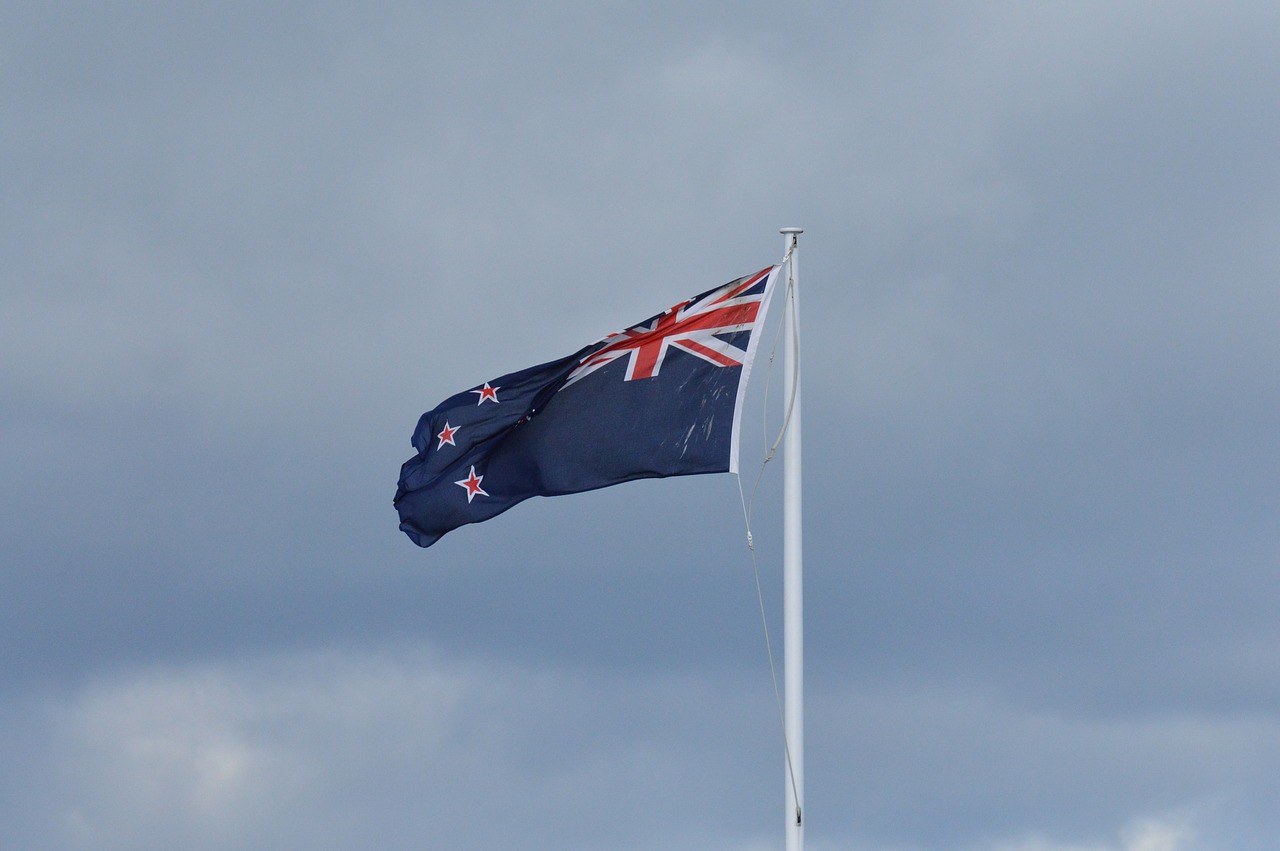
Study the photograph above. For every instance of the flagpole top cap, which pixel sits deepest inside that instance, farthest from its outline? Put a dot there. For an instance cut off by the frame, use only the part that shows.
(791, 230)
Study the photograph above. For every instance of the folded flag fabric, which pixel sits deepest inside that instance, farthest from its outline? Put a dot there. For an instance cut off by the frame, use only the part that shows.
(661, 398)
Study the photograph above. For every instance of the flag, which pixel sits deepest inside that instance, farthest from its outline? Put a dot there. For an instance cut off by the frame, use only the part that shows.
(660, 398)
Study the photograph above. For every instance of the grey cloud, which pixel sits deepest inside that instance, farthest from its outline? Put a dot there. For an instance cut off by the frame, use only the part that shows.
(245, 247)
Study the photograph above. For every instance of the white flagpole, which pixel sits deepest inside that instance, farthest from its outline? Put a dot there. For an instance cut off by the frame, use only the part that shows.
(792, 559)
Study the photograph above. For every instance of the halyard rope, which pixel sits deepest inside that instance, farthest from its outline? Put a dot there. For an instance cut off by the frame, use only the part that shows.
(748, 505)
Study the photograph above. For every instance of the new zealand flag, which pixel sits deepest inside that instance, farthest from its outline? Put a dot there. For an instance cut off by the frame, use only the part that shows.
(661, 398)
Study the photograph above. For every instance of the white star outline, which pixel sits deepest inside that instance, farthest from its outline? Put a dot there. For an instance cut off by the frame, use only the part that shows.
(472, 485)
(487, 394)
(446, 435)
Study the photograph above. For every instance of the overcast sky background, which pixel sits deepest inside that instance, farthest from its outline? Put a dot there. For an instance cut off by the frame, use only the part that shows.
(245, 245)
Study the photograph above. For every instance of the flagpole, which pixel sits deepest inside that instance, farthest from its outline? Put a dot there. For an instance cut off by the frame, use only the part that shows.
(792, 558)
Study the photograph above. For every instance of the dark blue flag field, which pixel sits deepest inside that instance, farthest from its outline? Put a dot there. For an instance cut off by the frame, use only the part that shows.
(661, 398)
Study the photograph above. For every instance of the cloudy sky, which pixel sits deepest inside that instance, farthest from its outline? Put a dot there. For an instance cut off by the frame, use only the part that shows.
(245, 245)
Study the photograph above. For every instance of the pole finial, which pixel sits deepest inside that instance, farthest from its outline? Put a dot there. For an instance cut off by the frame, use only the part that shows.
(791, 230)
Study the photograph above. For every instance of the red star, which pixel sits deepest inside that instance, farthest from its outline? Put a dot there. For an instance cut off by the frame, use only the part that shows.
(472, 484)
(487, 393)
(446, 435)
